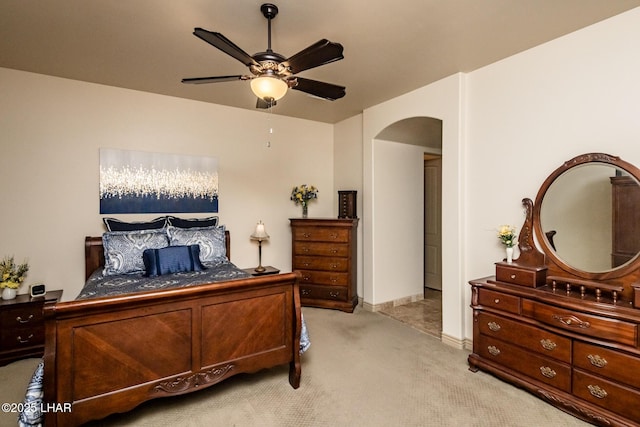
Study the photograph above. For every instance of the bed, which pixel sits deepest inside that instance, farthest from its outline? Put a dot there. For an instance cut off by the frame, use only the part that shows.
(108, 354)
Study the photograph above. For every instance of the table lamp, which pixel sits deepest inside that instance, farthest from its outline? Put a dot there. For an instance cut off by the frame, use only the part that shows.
(259, 235)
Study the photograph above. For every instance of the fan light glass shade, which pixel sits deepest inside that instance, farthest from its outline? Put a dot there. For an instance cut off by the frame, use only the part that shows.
(269, 88)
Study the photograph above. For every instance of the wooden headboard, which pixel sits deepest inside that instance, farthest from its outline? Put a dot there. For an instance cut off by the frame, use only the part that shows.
(94, 253)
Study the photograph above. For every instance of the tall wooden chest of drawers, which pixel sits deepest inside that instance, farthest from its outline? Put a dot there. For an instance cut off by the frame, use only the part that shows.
(22, 327)
(324, 251)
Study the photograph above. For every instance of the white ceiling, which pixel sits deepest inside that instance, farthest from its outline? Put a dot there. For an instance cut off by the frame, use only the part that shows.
(390, 48)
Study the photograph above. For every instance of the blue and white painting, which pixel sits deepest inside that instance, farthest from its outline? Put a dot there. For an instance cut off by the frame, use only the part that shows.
(141, 182)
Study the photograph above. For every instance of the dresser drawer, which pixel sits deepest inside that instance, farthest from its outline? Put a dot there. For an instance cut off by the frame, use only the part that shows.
(607, 363)
(581, 323)
(526, 336)
(321, 248)
(530, 277)
(324, 278)
(324, 292)
(606, 394)
(320, 263)
(21, 337)
(321, 234)
(21, 315)
(540, 368)
(499, 301)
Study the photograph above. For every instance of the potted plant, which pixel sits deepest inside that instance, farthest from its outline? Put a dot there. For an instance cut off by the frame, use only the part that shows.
(11, 277)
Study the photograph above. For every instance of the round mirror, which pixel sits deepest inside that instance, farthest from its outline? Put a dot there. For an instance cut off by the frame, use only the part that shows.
(587, 216)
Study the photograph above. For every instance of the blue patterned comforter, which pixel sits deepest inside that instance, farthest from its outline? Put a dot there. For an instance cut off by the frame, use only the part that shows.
(100, 286)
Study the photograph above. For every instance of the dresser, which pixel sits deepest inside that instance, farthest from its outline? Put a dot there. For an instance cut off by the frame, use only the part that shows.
(22, 326)
(324, 251)
(553, 344)
(568, 335)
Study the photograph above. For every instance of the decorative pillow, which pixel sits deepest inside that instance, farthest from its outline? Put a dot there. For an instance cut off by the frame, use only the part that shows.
(192, 222)
(123, 249)
(172, 259)
(114, 224)
(210, 239)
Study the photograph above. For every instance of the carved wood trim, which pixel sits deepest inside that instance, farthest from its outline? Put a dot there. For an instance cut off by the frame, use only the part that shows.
(207, 377)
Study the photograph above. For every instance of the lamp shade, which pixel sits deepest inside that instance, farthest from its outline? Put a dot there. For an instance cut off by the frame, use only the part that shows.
(269, 88)
(260, 233)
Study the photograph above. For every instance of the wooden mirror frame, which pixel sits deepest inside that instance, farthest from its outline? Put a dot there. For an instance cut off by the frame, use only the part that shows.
(625, 274)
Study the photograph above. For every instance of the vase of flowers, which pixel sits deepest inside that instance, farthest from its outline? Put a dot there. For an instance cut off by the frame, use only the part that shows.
(301, 194)
(11, 277)
(507, 235)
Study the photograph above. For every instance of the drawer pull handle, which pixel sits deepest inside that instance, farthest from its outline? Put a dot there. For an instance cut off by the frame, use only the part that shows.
(334, 294)
(306, 235)
(334, 280)
(305, 249)
(547, 372)
(306, 264)
(19, 319)
(495, 327)
(572, 321)
(598, 392)
(306, 278)
(334, 235)
(513, 276)
(23, 341)
(334, 251)
(597, 361)
(548, 344)
(493, 350)
(334, 266)
(497, 300)
(305, 292)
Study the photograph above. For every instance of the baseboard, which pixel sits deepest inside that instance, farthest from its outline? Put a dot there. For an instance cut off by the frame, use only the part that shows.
(390, 304)
(460, 344)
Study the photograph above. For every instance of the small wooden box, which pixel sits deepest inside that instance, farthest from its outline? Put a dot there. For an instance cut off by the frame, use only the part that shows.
(522, 275)
(347, 204)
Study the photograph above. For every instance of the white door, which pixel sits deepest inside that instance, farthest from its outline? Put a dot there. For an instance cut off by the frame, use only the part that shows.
(432, 222)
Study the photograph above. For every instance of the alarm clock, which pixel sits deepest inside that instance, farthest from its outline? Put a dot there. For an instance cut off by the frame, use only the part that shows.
(37, 290)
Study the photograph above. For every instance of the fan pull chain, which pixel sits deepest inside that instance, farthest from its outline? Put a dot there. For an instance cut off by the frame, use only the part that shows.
(270, 125)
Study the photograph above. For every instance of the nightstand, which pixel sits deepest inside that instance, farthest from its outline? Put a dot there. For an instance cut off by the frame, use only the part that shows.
(267, 270)
(22, 326)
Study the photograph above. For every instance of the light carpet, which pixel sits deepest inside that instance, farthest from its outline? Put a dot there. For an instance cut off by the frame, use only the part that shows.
(363, 369)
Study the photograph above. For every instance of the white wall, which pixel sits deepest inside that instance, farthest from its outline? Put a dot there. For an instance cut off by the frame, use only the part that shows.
(51, 130)
(347, 172)
(400, 244)
(441, 100)
(531, 112)
(506, 127)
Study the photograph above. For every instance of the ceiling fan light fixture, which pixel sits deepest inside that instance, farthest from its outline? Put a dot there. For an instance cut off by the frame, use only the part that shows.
(269, 88)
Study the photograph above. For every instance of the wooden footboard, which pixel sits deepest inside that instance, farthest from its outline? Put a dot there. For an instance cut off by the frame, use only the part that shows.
(108, 355)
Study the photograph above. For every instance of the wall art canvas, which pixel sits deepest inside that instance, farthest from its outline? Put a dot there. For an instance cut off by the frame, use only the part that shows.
(141, 182)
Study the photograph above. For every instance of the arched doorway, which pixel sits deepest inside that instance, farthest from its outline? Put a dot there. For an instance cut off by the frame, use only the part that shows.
(410, 179)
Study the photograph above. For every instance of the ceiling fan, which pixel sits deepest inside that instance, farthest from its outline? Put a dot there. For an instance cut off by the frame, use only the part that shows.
(271, 73)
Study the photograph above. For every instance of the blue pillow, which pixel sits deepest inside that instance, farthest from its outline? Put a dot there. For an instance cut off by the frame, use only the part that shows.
(192, 222)
(114, 224)
(172, 259)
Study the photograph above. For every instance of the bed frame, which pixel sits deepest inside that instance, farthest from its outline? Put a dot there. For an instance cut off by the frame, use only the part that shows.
(108, 355)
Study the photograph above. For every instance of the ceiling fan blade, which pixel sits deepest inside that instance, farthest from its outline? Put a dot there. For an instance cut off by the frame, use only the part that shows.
(201, 80)
(261, 103)
(319, 53)
(225, 45)
(320, 89)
